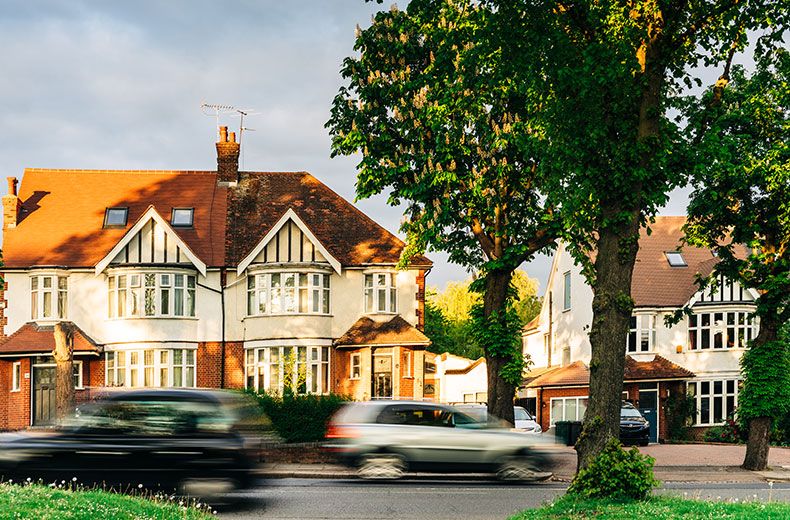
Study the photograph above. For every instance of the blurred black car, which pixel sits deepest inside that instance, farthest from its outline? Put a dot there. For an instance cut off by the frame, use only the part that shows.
(634, 429)
(186, 440)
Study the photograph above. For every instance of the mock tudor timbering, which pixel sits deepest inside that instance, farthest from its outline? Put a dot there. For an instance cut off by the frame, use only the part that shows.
(251, 286)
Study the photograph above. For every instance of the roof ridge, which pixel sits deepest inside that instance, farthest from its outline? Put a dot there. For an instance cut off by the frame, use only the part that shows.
(129, 171)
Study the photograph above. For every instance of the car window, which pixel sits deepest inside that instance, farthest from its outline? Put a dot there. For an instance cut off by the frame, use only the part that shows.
(629, 412)
(478, 413)
(521, 414)
(416, 416)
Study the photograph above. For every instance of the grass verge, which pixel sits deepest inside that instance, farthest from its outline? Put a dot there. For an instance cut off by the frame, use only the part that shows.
(56, 503)
(569, 508)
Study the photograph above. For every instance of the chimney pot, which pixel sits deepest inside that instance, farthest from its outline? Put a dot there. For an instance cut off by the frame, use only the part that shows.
(223, 134)
(232, 137)
(11, 205)
(12, 182)
(227, 157)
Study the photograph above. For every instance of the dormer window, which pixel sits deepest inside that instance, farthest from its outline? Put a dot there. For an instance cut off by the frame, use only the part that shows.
(182, 217)
(675, 259)
(115, 217)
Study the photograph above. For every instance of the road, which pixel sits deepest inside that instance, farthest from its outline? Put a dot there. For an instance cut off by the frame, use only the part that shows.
(306, 499)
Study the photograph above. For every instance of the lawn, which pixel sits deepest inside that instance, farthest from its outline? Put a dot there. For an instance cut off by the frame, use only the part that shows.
(43, 502)
(567, 508)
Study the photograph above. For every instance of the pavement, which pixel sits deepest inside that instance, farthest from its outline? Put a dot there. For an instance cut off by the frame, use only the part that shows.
(674, 463)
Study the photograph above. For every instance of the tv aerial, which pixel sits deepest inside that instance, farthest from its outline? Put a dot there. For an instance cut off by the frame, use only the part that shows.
(216, 110)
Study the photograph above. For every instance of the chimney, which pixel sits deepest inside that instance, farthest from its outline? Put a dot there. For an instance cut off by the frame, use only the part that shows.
(11, 205)
(227, 157)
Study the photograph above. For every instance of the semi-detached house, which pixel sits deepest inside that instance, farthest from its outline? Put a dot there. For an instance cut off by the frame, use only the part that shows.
(220, 279)
(698, 356)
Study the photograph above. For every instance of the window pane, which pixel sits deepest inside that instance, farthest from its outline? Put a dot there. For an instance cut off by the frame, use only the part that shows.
(262, 301)
(47, 310)
(190, 302)
(62, 304)
(34, 283)
(121, 302)
(164, 295)
(178, 376)
(182, 217)
(303, 299)
(178, 302)
(47, 282)
(570, 410)
(164, 280)
(178, 280)
(368, 280)
(326, 301)
(382, 300)
(190, 376)
(557, 410)
(392, 300)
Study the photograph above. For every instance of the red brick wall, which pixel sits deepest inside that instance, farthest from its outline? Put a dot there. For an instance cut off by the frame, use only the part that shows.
(340, 369)
(544, 402)
(209, 365)
(17, 404)
(234, 364)
(406, 367)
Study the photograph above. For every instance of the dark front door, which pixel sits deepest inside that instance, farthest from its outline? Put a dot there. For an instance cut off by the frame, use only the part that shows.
(43, 396)
(648, 407)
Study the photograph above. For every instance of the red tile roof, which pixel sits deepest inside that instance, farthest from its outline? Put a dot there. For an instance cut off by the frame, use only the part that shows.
(62, 217)
(31, 338)
(578, 373)
(394, 331)
(349, 235)
(657, 284)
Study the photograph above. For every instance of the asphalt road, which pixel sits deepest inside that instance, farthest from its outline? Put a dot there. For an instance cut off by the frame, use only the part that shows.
(306, 499)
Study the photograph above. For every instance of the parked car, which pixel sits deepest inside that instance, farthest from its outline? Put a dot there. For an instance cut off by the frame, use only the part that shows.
(385, 439)
(174, 439)
(524, 422)
(634, 429)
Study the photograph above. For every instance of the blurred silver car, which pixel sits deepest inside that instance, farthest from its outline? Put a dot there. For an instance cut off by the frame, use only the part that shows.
(384, 439)
(524, 421)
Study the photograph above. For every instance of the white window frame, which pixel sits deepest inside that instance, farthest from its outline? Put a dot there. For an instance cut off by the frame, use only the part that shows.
(58, 288)
(310, 291)
(380, 287)
(187, 366)
(642, 331)
(744, 328)
(355, 362)
(566, 291)
(694, 388)
(553, 420)
(16, 376)
(78, 369)
(408, 354)
(260, 361)
(127, 293)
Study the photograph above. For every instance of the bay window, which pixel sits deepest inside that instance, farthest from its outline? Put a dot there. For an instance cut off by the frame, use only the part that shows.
(303, 369)
(150, 368)
(287, 293)
(380, 293)
(721, 330)
(716, 400)
(151, 294)
(48, 297)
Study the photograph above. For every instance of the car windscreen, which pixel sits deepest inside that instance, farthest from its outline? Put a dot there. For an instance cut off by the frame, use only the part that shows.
(354, 413)
(628, 413)
(521, 414)
(478, 413)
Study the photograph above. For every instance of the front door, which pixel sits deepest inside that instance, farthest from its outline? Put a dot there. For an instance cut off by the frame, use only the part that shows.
(382, 376)
(648, 407)
(43, 396)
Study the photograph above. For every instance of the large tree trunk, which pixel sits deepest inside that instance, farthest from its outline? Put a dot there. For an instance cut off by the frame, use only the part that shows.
(757, 446)
(500, 392)
(612, 305)
(64, 371)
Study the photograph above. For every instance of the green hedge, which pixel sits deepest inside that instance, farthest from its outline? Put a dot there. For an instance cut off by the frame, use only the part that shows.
(300, 418)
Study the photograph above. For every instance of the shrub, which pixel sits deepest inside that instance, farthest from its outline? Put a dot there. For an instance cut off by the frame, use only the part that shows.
(730, 432)
(616, 473)
(299, 418)
(681, 408)
(780, 433)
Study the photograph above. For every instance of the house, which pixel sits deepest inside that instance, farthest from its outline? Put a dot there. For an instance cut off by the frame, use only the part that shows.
(462, 380)
(221, 279)
(698, 356)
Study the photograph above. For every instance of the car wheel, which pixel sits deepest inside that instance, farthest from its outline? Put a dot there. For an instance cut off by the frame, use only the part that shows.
(520, 469)
(381, 466)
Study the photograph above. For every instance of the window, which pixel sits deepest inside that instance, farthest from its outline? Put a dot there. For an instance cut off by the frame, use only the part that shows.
(151, 368)
(115, 217)
(566, 303)
(356, 366)
(48, 297)
(16, 376)
(716, 400)
(675, 259)
(721, 330)
(182, 217)
(568, 409)
(407, 355)
(77, 368)
(287, 293)
(642, 334)
(151, 294)
(304, 369)
(380, 293)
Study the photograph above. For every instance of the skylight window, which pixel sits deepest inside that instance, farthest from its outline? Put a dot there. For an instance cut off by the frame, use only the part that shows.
(115, 217)
(182, 217)
(675, 259)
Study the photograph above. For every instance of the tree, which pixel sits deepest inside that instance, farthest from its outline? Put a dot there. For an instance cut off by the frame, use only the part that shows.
(612, 70)
(64, 370)
(742, 198)
(431, 105)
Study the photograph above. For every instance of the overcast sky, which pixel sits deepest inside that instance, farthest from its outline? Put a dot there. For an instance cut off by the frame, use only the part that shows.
(118, 85)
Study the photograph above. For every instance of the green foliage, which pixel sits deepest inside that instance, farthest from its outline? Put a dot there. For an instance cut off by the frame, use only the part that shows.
(681, 408)
(499, 335)
(658, 508)
(454, 337)
(780, 434)
(730, 432)
(766, 385)
(299, 418)
(616, 473)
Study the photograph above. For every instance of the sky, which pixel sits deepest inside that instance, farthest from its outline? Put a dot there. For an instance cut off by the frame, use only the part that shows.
(118, 85)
